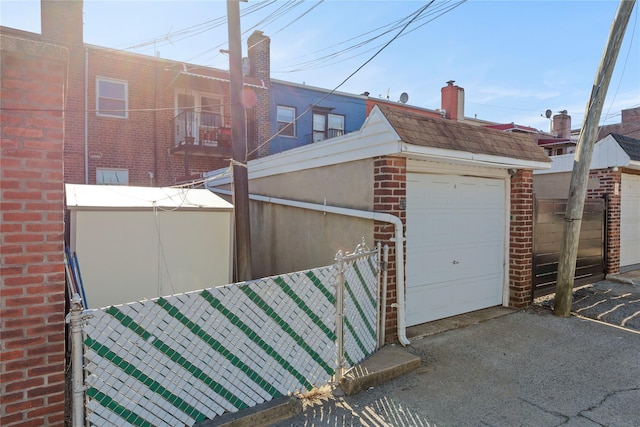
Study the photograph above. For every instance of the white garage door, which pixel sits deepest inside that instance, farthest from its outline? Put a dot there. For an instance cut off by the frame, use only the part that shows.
(455, 245)
(630, 220)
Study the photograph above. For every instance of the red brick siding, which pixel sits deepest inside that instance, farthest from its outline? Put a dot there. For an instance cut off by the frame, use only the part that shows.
(608, 180)
(389, 189)
(259, 51)
(521, 239)
(32, 342)
(141, 142)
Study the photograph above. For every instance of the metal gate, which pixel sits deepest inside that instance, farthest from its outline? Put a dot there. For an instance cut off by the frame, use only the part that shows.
(548, 220)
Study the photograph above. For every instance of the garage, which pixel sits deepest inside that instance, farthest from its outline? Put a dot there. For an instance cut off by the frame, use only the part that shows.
(455, 245)
(630, 220)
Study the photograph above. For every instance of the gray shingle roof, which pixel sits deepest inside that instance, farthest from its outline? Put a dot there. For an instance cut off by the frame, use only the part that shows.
(631, 146)
(446, 134)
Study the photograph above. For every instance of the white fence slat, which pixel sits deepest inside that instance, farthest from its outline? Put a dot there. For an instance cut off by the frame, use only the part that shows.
(225, 348)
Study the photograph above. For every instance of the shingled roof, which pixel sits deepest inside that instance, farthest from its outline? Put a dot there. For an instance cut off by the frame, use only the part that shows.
(631, 146)
(450, 135)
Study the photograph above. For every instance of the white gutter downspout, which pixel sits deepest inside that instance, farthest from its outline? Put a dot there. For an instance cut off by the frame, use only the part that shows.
(86, 116)
(376, 216)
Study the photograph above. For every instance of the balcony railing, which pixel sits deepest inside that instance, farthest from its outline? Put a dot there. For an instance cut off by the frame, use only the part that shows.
(201, 133)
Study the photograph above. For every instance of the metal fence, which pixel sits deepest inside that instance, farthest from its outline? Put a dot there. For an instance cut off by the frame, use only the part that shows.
(183, 359)
(548, 220)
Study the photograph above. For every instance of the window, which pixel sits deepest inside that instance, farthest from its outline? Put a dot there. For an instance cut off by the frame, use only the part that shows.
(112, 176)
(286, 117)
(326, 125)
(111, 98)
(198, 116)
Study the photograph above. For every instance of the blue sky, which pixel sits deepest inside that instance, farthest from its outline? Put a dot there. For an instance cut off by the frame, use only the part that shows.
(515, 59)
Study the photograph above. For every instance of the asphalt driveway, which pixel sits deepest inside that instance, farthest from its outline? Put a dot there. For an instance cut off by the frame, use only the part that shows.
(615, 301)
(527, 368)
(523, 368)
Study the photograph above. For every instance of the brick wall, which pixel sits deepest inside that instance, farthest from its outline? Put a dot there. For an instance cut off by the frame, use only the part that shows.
(608, 182)
(140, 143)
(259, 51)
(32, 342)
(521, 239)
(389, 189)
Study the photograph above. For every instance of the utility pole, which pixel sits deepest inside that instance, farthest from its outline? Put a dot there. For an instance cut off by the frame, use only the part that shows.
(582, 162)
(239, 146)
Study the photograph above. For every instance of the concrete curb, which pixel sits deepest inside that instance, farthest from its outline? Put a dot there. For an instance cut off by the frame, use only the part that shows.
(259, 416)
(624, 280)
(388, 363)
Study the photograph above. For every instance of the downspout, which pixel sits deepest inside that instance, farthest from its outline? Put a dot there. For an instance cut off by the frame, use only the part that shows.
(86, 116)
(376, 216)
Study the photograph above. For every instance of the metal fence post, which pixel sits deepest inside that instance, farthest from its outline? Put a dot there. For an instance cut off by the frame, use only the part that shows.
(339, 316)
(75, 319)
(384, 266)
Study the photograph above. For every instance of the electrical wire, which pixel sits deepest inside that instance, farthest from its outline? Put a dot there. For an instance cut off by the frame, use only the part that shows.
(626, 59)
(415, 15)
(338, 56)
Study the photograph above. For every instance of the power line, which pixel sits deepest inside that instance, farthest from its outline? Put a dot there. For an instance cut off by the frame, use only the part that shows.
(416, 14)
(337, 56)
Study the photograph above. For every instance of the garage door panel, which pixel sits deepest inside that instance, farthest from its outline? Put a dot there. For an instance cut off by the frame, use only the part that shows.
(455, 245)
(630, 220)
(480, 260)
(428, 303)
(438, 268)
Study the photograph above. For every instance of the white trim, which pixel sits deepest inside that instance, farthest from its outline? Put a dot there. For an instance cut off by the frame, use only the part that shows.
(607, 153)
(220, 79)
(506, 275)
(112, 176)
(434, 167)
(375, 138)
(484, 175)
(197, 101)
(125, 83)
(317, 89)
(467, 158)
(634, 164)
(291, 123)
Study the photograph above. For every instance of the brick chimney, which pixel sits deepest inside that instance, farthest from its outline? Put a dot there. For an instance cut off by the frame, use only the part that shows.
(562, 125)
(453, 101)
(259, 47)
(61, 21)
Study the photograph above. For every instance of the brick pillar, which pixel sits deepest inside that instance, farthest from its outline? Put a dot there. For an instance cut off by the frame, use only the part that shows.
(389, 191)
(521, 239)
(62, 24)
(32, 299)
(608, 187)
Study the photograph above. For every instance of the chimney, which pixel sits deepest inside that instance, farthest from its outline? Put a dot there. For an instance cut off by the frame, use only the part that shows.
(61, 21)
(562, 125)
(259, 47)
(453, 101)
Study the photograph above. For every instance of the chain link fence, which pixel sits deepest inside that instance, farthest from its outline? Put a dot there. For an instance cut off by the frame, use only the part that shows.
(182, 359)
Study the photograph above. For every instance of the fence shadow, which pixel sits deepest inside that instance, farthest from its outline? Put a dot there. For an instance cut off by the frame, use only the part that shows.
(345, 412)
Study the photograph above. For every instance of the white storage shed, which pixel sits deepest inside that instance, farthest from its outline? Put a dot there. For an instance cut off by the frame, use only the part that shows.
(135, 243)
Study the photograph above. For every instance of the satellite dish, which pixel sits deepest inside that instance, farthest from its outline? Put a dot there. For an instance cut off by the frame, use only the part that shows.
(404, 97)
(548, 113)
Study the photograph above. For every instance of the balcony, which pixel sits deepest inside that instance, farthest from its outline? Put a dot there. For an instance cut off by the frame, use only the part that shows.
(201, 133)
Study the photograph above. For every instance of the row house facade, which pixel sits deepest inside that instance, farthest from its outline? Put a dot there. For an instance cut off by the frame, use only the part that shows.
(140, 120)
